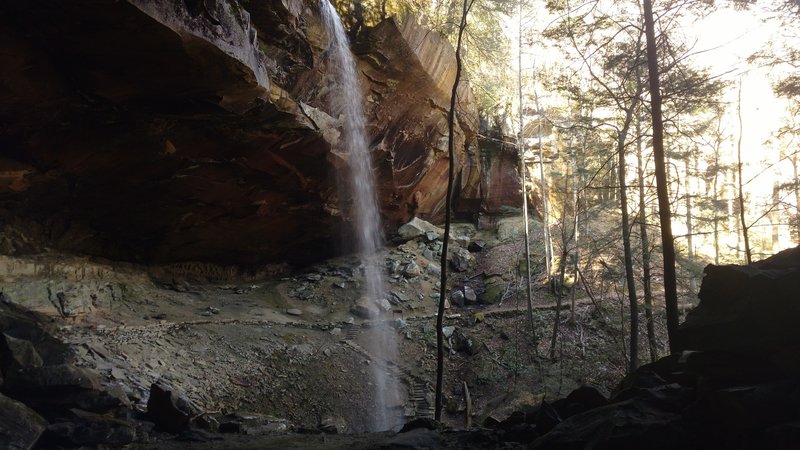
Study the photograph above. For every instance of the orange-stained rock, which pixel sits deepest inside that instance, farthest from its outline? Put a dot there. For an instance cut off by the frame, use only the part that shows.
(165, 131)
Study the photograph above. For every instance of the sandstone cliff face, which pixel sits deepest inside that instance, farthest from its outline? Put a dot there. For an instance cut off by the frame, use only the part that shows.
(197, 129)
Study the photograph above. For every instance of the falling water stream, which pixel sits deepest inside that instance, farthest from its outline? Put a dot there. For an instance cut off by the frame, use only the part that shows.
(346, 102)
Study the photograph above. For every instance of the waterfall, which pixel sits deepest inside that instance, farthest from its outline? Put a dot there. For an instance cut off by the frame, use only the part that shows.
(346, 102)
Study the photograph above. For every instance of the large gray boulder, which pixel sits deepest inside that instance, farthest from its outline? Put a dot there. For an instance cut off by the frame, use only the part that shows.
(417, 227)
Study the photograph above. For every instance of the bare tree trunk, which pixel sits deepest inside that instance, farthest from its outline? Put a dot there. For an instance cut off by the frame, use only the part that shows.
(522, 173)
(796, 199)
(621, 299)
(575, 225)
(668, 246)
(774, 218)
(689, 230)
(611, 182)
(556, 324)
(745, 234)
(548, 243)
(646, 278)
(451, 117)
(733, 206)
(558, 285)
(717, 146)
(626, 237)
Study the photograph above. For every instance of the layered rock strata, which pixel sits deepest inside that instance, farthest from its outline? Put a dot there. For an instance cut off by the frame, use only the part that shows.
(197, 130)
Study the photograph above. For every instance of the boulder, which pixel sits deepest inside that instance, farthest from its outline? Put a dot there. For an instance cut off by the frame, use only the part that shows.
(749, 310)
(417, 227)
(365, 309)
(63, 386)
(20, 426)
(85, 429)
(169, 409)
(462, 342)
(25, 340)
(19, 352)
(333, 425)
(494, 289)
(476, 246)
(470, 297)
(510, 229)
(464, 296)
(252, 424)
(399, 297)
(420, 422)
(511, 408)
(580, 400)
(624, 425)
(383, 304)
(412, 270)
(461, 260)
(457, 297)
(433, 269)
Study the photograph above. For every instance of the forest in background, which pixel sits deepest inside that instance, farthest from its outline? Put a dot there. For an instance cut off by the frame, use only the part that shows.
(567, 84)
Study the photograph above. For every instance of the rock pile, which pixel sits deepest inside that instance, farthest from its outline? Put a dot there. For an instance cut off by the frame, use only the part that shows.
(48, 400)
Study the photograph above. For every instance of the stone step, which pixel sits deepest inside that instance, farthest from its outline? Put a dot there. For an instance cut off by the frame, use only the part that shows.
(418, 396)
(350, 333)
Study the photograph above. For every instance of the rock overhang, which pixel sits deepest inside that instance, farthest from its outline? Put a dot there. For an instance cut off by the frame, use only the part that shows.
(173, 131)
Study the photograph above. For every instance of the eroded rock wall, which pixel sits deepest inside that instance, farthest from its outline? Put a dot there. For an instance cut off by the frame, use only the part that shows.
(197, 130)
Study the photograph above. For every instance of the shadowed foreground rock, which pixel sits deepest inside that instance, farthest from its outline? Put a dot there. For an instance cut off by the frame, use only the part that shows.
(20, 426)
(752, 310)
(47, 400)
(735, 384)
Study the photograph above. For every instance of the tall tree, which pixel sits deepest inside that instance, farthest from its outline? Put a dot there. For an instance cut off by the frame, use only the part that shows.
(626, 234)
(717, 202)
(687, 187)
(522, 173)
(745, 234)
(645, 243)
(451, 117)
(576, 222)
(796, 197)
(548, 240)
(664, 214)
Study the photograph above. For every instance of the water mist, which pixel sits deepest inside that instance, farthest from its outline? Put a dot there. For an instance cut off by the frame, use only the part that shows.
(346, 102)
